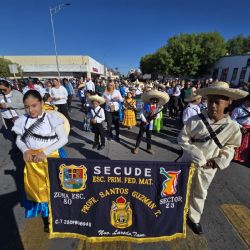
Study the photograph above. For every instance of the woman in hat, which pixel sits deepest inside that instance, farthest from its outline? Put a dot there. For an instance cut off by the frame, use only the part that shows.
(242, 116)
(96, 120)
(154, 101)
(129, 107)
(208, 140)
(39, 135)
(192, 108)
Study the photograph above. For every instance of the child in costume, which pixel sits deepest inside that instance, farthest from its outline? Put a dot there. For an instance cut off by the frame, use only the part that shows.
(129, 107)
(97, 118)
(47, 99)
(242, 116)
(154, 101)
(39, 135)
(158, 122)
(208, 140)
(192, 108)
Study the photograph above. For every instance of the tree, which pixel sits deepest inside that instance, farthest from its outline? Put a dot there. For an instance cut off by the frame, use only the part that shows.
(4, 68)
(213, 46)
(157, 63)
(186, 55)
(184, 51)
(238, 45)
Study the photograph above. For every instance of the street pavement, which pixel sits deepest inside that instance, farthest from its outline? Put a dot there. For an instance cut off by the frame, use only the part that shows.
(223, 227)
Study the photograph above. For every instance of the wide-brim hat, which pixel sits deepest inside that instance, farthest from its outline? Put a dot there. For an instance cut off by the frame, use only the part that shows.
(192, 97)
(162, 96)
(222, 88)
(66, 124)
(162, 86)
(97, 98)
(81, 86)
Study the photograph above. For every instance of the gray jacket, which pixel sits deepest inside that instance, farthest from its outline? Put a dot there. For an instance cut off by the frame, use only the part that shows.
(16, 103)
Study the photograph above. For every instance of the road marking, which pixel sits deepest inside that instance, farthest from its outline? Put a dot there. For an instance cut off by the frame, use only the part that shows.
(239, 217)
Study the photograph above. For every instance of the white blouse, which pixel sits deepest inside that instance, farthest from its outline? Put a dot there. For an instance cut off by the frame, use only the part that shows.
(51, 126)
(110, 99)
(61, 93)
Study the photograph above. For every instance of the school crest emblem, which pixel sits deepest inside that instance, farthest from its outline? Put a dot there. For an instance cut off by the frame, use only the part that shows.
(121, 213)
(169, 185)
(73, 178)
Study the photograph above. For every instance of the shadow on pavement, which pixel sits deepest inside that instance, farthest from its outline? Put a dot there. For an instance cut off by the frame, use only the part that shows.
(9, 233)
(87, 153)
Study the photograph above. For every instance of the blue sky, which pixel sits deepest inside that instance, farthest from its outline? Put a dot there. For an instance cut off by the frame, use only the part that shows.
(116, 33)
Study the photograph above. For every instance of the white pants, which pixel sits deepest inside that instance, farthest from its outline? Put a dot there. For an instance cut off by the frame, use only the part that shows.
(201, 181)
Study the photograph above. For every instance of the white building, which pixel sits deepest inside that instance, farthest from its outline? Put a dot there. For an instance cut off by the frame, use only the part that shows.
(69, 66)
(233, 69)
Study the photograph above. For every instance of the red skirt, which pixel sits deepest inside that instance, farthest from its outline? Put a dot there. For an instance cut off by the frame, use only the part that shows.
(242, 152)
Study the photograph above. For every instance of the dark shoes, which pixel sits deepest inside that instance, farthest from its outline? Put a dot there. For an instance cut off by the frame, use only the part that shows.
(101, 147)
(46, 224)
(95, 145)
(196, 227)
(117, 139)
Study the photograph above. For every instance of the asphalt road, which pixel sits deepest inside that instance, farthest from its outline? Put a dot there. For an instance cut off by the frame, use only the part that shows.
(230, 186)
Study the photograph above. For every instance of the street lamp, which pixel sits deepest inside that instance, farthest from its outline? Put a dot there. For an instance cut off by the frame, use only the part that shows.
(53, 11)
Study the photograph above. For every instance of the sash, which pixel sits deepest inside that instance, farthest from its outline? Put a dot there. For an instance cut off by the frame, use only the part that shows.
(97, 113)
(213, 134)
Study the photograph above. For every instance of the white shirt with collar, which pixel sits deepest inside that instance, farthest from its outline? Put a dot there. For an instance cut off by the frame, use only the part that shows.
(90, 86)
(200, 152)
(98, 114)
(191, 110)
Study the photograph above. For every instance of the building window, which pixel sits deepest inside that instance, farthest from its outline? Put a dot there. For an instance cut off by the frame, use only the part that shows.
(234, 75)
(242, 74)
(223, 76)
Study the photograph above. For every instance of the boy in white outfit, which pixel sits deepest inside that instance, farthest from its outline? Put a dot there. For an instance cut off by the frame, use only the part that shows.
(209, 140)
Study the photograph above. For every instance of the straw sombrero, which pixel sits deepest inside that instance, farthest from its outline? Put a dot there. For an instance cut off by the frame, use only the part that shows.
(162, 96)
(97, 98)
(162, 86)
(60, 115)
(222, 88)
(193, 96)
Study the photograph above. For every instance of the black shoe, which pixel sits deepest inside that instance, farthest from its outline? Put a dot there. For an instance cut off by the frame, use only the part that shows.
(196, 227)
(46, 224)
(117, 139)
(95, 145)
(101, 147)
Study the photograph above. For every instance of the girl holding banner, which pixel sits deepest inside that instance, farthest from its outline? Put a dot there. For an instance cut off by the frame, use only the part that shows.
(39, 135)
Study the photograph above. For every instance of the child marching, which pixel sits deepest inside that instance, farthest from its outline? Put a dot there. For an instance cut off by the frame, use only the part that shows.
(39, 135)
(97, 118)
(208, 140)
(129, 107)
(154, 101)
(242, 116)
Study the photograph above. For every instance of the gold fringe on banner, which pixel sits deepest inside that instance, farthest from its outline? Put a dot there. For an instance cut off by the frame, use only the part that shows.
(52, 234)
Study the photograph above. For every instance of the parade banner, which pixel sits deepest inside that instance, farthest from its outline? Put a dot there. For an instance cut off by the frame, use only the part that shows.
(135, 201)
